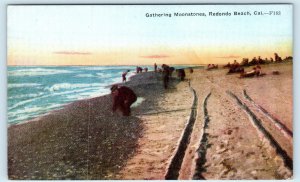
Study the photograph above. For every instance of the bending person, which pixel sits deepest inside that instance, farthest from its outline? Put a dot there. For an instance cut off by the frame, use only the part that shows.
(123, 97)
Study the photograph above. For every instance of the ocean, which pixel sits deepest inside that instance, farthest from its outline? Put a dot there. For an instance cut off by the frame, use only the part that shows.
(36, 90)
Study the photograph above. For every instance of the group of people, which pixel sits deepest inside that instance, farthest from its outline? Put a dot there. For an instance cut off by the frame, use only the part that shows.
(212, 66)
(256, 71)
(258, 60)
(123, 97)
(235, 67)
(140, 69)
(167, 72)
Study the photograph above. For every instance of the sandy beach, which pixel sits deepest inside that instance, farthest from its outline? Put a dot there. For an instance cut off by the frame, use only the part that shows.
(210, 126)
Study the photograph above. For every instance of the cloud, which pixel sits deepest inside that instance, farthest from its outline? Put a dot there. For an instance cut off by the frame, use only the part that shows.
(72, 53)
(229, 57)
(155, 56)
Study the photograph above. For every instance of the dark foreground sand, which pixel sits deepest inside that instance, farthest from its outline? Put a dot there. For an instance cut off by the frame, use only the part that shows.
(85, 140)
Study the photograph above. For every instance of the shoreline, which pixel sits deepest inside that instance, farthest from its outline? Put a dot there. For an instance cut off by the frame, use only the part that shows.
(37, 116)
(63, 105)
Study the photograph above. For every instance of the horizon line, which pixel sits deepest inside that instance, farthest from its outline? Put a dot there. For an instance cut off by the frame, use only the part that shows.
(108, 65)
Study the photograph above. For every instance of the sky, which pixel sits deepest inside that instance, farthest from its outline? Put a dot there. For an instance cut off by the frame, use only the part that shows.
(124, 35)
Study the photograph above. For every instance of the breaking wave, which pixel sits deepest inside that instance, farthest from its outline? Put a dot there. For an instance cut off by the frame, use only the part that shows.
(22, 85)
(36, 72)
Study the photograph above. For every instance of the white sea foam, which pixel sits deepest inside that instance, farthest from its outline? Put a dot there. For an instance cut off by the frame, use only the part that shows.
(90, 93)
(104, 75)
(22, 103)
(36, 72)
(138, 102)
(85, 76)
(19, 118)
(19, 85)
(65, 86)
(46, 96)
(28, 112)
(106, 67)
(130, 74)
(25, 96)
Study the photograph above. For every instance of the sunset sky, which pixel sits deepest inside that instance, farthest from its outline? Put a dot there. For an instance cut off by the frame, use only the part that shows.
(123, 35)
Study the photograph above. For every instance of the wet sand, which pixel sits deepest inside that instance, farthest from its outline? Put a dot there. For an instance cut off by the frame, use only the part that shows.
(85, 140)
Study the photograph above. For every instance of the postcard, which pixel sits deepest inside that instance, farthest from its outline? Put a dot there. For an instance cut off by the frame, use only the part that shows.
(150, 92)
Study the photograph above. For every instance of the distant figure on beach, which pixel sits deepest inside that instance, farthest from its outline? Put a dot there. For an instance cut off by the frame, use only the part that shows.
(181, 74)
(227, 65)
(146, 69)
(123, 98)
(212, 66)
(254, 61)
(235, 68)
(260, 60)
(256, 71)
(245, 62)
(166, 74)
(155, 67)
(124, 75)
(277, 58)
(191, 70)
(171, 70)
(266, 60)
(139, 69)
(251, 73)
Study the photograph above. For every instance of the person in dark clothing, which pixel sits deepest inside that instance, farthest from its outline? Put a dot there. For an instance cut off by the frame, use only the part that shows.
(123, 97)
(181, 74)
(124, 75)
(155, 67)
(277, 58)
(166, 74)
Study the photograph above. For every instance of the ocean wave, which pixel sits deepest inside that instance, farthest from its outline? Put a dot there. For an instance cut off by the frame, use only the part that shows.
(65, 86)
(29, 112)
(26, 110)
(36, 72)
(18, 118)
(46, 96)
(20, 85)
(109, 76)
(34, 109)
(84, 76)
(23, 103)
(25, 96)
(99, 68)
(90, 94)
